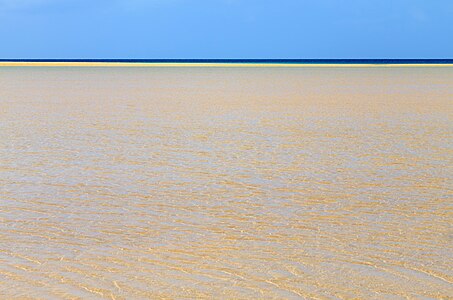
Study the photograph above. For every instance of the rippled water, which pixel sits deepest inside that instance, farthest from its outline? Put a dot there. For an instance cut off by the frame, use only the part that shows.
(137, 183)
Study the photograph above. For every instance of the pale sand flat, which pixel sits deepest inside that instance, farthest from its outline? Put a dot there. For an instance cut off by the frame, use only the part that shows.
(242, 65)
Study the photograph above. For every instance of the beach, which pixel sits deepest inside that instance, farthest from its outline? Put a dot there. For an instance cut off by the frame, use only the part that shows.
(216, 65)
(211, 181)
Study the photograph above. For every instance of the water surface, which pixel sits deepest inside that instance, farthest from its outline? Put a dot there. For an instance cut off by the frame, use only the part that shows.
(238, 183)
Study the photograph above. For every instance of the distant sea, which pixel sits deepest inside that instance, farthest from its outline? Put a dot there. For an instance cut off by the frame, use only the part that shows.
(248, 61)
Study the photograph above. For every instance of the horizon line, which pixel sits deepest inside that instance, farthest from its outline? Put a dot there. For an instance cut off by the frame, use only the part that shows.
(226, 62)
(237, 60)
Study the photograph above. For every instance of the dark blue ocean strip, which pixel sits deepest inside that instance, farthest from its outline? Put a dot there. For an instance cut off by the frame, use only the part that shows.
(245, 61)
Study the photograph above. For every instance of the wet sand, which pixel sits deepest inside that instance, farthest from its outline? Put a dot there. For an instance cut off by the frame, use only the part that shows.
(236, 183)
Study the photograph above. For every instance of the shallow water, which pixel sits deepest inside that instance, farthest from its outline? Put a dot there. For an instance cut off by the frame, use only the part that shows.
(137, 183)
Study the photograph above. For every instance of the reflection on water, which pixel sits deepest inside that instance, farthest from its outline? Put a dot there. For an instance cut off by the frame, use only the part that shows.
(136, 183)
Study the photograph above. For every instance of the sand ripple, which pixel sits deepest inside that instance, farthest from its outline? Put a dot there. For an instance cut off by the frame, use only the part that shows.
(237, 183)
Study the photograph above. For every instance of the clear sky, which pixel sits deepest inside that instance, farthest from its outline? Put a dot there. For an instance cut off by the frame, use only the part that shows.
(226, 28)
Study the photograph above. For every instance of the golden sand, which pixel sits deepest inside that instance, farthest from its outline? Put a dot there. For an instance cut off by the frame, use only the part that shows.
(226, 183)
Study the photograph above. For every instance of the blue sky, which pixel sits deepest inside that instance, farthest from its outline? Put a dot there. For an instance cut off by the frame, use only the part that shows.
(226, 29)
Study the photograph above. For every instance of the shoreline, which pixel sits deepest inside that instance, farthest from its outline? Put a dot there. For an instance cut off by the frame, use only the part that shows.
(242, 65)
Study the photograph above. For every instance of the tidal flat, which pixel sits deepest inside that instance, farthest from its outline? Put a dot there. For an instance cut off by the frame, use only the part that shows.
(226, 183)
